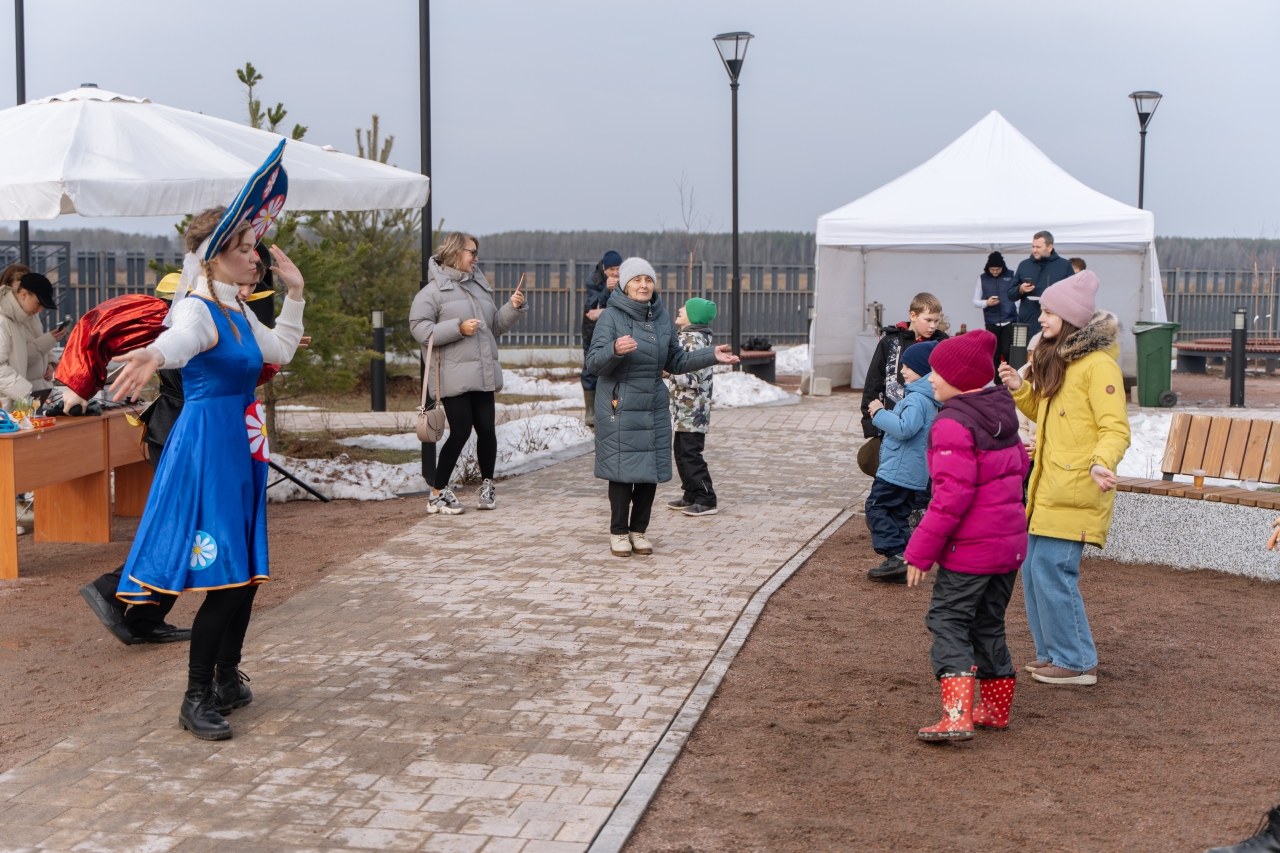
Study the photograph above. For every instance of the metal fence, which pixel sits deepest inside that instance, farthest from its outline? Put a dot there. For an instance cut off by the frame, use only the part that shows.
(777, 300)
(90, 278)
(1203, 301)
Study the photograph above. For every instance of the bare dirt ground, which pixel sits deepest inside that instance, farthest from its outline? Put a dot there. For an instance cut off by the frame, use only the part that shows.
(58, 664)
(1214, 389)
(810, 743)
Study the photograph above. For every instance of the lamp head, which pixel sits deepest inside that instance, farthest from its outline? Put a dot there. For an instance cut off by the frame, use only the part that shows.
(733, 50)
(1145, 103)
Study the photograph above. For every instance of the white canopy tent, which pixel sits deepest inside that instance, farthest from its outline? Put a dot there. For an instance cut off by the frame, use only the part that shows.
(96, 153)
(932, 228)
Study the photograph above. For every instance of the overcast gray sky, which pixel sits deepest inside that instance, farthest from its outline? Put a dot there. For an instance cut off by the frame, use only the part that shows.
(582, 115)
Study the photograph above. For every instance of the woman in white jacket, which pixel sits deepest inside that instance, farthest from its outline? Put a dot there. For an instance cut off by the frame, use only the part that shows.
(24, 347)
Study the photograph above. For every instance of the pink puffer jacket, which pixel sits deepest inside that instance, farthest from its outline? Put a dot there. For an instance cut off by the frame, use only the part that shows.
(976, 522)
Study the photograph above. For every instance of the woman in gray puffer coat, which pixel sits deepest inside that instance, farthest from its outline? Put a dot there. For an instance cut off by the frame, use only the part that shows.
(457, 307)
(634, 342)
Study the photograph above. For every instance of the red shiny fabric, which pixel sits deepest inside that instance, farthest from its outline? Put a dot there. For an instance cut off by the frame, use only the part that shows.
(115, 327)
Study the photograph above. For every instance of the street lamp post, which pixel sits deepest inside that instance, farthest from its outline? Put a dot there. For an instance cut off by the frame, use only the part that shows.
(20, 52)
(424, 116)
(1145, 103)
(733, 50)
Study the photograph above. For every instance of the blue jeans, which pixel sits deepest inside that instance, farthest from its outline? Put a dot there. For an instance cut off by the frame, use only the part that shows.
(888, 512)
(1055, 610)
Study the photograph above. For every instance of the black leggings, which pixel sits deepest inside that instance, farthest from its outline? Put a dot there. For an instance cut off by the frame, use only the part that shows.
(473, 409)
(217, 633)
(634, 499)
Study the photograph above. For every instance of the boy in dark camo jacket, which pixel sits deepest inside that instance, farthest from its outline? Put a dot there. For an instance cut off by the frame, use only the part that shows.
(691, 411)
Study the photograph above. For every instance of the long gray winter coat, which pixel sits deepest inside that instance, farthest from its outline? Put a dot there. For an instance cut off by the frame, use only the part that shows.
(633, 423)
(466, 363)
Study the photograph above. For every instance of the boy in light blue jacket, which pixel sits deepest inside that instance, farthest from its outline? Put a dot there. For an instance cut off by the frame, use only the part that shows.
(904, 467)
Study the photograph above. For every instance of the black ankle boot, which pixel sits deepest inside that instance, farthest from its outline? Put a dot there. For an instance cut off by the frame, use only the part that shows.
(199, 716)
(1266, 840)
(230, 689)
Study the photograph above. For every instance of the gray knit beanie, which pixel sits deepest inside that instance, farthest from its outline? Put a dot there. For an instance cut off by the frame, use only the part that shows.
(633, 267)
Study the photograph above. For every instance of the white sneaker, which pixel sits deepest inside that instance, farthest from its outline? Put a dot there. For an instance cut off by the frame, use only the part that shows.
(488, 495)
(619, 545)
(445, 503)
(640, 545)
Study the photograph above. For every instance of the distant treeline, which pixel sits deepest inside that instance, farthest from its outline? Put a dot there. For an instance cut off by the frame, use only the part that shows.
(103, 240)
(754, 247)
(1217, 253)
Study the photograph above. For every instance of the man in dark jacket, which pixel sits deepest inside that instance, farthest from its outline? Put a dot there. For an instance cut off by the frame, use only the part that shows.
(884, 376)
(1034, 276)
(999, 312)
(603, 280)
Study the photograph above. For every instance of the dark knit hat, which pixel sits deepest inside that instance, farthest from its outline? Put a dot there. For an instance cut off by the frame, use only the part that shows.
(916, 356)
(611, 259)
(995, 259)
(966, 361)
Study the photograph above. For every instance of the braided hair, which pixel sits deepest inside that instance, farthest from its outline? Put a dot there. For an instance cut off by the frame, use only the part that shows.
(198, 230)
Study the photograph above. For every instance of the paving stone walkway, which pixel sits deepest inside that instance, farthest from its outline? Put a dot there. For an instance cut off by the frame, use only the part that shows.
(489, 682)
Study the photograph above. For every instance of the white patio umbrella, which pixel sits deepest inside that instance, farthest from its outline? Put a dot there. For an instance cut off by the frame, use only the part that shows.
(96, 153)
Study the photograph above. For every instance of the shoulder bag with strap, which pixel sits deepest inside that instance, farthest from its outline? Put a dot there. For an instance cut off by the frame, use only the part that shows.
(432, 421)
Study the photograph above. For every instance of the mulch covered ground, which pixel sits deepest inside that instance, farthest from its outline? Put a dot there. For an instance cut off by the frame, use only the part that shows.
(810, 743)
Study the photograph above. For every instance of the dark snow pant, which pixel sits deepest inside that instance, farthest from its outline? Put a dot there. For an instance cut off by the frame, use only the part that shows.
(1004, 342)
(472, 410)
(217, 633)
(141, 619)
(630, 499)
(695, 478)
(966, 618)
(888, 512)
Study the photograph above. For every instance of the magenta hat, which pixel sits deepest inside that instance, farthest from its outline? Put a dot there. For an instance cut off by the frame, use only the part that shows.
(1073, 299)
(966, 361)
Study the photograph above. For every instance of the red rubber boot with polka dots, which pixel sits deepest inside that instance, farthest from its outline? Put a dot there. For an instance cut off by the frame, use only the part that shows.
(957, 710)
(995, 695)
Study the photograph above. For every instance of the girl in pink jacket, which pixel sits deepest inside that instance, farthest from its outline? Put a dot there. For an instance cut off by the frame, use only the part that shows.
(975, 531)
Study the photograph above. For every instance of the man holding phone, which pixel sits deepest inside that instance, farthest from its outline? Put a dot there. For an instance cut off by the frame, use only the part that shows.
(1045, 267)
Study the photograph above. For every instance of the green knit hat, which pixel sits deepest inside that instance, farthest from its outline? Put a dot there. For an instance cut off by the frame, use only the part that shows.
(700, 311)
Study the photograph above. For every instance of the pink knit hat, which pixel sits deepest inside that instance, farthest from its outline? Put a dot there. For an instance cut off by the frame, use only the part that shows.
(967, 361)
(1073, 298)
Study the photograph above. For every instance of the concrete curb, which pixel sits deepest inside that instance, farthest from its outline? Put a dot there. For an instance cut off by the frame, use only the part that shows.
(627, 813)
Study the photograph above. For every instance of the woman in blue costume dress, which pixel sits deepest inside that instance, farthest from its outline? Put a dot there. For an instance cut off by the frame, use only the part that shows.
(205, 528)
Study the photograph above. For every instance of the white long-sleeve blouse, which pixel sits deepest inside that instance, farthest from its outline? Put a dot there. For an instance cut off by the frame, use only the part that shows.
(193, 330)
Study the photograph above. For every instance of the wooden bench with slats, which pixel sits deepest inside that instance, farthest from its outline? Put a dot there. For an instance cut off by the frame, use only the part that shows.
(1224, 448)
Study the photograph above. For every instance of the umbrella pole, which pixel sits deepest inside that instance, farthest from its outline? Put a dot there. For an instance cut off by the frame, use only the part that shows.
(20, 52)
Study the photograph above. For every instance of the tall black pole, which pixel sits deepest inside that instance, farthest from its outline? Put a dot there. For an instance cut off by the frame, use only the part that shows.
(424, 116)
(20, 51)
(1142, 164)
(737, 275)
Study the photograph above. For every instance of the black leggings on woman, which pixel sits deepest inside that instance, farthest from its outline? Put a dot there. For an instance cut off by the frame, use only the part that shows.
(217, 633)
(630, 506)
(473, 409)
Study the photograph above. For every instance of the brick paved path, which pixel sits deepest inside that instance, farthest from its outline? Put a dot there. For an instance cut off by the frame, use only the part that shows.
(490, 682)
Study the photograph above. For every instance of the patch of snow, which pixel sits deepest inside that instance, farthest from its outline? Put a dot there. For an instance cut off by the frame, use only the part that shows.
(526, 382)
(523, 445)
(736, 390)
(792, 361)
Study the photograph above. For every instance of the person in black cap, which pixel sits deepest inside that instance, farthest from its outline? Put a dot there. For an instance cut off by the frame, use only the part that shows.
(33, 294)
(999, 312)
(603, 280)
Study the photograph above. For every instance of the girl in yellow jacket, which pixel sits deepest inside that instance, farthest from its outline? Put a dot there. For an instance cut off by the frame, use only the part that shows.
(1076, 396)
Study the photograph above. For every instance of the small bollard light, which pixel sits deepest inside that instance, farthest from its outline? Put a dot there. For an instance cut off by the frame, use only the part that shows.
(378, 366)
(1239, 344)
(1018, 347)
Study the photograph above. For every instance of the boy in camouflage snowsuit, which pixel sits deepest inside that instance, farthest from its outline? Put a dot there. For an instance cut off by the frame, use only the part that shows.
(691, 411)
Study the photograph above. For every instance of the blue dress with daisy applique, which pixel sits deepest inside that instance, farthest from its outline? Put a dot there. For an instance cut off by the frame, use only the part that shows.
(205, 525)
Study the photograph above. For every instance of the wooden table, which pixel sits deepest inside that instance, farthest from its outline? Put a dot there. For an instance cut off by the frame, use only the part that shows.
(69, 466)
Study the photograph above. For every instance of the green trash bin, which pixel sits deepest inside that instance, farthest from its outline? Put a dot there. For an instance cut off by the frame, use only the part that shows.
(1155, 354)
